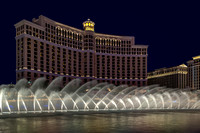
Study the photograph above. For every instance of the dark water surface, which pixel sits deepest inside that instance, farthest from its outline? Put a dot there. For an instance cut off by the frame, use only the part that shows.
(131, 122)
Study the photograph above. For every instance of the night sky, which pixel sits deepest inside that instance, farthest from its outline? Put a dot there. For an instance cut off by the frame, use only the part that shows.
(171, 29)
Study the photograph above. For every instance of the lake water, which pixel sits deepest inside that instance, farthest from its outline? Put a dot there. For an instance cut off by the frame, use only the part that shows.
(128, 122)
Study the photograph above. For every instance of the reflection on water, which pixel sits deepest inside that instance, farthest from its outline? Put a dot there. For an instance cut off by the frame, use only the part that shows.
(165, 122)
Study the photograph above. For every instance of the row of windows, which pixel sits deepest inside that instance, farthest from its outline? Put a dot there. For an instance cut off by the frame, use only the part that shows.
(60, 32)
(112, 42)
(58, 60)
(173, 81)
(119, 50)
(19, 30)
(20, 51)
(34, 32)
(166, 71)
(33, 76)
(71, 39)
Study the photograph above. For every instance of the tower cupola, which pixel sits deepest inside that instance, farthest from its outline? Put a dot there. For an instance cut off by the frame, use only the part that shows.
(88, 25)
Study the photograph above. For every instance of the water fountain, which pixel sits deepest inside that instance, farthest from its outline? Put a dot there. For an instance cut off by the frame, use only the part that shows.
(92, 96)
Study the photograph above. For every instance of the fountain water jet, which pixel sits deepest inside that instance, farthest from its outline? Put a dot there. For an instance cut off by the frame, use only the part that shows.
(91, 96)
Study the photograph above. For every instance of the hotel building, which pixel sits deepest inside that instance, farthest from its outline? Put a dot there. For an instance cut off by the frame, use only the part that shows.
(173, 77)
(194, 73)
(46, 48)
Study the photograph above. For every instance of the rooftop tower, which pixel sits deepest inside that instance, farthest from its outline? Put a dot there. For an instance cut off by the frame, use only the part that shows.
(88, 25)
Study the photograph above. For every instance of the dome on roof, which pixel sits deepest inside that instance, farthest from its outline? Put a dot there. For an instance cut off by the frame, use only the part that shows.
(88, 25)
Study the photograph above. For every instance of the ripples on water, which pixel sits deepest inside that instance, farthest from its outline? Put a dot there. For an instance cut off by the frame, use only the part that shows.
(160, 122)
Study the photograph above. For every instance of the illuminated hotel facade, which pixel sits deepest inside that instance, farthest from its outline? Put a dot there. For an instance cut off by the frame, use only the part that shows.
(173, 77)
(46, 48)
(194, 73)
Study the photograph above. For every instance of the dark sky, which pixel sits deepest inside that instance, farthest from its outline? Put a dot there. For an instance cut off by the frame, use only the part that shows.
(171, 29)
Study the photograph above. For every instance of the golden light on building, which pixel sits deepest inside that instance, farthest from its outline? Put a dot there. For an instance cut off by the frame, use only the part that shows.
(46, 48)
(88, 25)
(196, 57)
(173, 77)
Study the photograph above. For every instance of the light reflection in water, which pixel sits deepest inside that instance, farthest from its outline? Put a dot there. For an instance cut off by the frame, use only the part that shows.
(110, 122)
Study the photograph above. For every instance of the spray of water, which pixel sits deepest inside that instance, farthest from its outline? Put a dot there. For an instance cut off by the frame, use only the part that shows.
(91, 96)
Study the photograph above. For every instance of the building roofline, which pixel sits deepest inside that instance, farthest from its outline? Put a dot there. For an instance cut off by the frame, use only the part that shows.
(58, 23)
(96, 34)
(196, 57)
(114, 36)
(24, 21)
(190, 61)
(138, 45)
(36, 22)
(182, 65)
